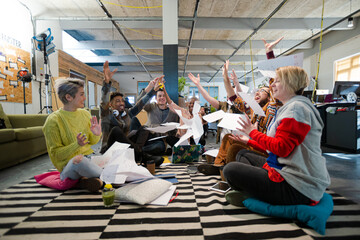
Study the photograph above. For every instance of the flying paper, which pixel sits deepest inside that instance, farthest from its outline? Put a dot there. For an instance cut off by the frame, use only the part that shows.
(252, 103)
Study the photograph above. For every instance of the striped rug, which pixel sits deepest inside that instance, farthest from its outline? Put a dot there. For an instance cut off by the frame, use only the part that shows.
(31, 211)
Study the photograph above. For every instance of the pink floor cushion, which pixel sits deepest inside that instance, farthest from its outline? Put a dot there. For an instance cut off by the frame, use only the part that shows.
(52, 180)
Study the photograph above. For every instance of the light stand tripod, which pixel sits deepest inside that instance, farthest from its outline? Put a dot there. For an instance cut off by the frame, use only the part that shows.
(47, 81)
(43, 42)
(24, 76)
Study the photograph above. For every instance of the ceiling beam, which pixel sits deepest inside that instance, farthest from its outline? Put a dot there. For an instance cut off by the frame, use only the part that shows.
(201, 23)
(203, 70)
(196, 44)
(151, 58)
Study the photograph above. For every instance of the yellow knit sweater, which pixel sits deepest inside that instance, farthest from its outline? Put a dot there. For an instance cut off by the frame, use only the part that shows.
(61, 129)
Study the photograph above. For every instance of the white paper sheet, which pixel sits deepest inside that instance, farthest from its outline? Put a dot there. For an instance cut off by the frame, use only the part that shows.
(252, 103)
(195, 127)
(212, 117)
(114, 147)
(170, 124)
(230, 121)
(102, 160)
(164, 199)
(156, 138)
(212, 152)
(268, 67)
(244, 88)
(183, 127)
(268, 73)
(161, 129)
(122, 167)
(184, 138)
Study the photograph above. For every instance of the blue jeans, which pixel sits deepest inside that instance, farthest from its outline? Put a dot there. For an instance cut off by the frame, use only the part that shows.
(83, 169)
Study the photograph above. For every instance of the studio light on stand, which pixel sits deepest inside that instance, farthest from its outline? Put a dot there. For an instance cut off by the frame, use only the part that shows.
(24, 76)
(43, 42)
(350, 22)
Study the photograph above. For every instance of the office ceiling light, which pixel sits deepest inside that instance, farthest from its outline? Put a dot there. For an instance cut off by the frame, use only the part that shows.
(350, 22)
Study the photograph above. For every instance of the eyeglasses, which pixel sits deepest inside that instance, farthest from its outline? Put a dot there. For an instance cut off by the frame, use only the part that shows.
(263, 90)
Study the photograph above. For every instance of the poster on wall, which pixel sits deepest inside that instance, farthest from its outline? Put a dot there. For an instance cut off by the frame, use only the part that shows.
(13, 59)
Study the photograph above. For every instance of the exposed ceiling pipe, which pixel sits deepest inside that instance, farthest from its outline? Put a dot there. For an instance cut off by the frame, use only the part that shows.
(107, 19)
(123, 35)
(191, 35)
(310, 38)
(253, 33)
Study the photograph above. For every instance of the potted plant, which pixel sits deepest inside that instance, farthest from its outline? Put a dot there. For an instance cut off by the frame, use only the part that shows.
(181, 87)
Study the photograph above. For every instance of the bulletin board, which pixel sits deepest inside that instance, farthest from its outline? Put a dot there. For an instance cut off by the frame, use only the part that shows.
(13, 59)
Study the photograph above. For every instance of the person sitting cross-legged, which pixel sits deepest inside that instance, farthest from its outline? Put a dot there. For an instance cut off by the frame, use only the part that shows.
(70, 132)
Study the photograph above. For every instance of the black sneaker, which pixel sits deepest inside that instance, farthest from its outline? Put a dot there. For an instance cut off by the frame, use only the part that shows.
(209, 169)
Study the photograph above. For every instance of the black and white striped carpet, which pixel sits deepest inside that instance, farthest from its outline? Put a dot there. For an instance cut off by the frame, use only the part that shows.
(31, 211)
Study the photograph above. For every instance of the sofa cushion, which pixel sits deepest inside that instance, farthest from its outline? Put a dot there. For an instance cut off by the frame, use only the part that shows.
(28, 133)
(6, 119)
(7, 135)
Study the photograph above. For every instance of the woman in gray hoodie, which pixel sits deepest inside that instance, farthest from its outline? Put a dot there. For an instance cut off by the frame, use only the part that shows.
(295, 171)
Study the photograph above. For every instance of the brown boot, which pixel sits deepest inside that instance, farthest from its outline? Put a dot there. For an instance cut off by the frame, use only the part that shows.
(209, 169)
(90, 184)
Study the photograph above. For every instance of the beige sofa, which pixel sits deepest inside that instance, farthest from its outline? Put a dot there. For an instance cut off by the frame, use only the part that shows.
(22, 139)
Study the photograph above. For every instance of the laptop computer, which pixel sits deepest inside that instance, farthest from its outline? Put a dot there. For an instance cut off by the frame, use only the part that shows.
(186, 153)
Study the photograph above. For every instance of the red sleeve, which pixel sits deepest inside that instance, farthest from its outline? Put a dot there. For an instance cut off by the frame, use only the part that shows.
(289, 134)
(256, 146)
(270, 55)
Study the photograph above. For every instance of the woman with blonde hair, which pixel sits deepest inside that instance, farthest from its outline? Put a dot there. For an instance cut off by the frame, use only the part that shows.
(295, 171)
(70, 132)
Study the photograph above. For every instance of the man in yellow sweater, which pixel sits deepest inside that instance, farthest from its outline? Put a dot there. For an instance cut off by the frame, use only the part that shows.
(70, 132)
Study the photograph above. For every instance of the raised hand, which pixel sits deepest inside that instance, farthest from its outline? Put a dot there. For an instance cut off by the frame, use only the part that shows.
(225, 69)
(158, 82)
(195, 80)
(269, 46)
(95, 126)
(233, 77)
(107, 73)
(246, 125)
(240, 138)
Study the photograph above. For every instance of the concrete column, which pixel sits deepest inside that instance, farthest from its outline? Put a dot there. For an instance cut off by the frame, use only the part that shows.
(170, 47)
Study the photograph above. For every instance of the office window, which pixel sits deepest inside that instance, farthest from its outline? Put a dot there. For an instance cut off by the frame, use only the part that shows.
(212, 90)
(348, 69)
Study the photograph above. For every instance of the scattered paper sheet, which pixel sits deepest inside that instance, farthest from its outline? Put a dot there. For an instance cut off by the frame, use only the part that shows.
(244, 88)
(195, 127)
(212, 117)
(170, 124)
(184, 138)
(161, 129)
(268, 67)
(164, 199)
(268, 73)
(102, 160)
(122, 167)
(156, 138)
(212, 152)
(252, 103)
(183, 127)
(230, 121)
(114, 147)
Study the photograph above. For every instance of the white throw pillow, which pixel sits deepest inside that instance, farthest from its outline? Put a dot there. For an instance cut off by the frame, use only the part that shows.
(144, 192)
